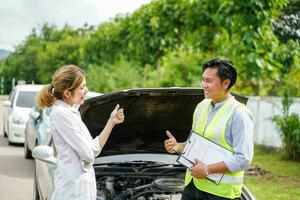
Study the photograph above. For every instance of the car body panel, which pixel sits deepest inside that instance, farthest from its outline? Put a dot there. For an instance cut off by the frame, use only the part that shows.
(38, 128)
(31, 127)
(44, 173)
(149, 113)
(158, 158)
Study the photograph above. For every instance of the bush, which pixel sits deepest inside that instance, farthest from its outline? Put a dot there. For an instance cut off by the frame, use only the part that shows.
(110, 77)
(289, 126)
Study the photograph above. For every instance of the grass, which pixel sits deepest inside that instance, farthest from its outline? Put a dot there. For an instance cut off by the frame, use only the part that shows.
(281, 180)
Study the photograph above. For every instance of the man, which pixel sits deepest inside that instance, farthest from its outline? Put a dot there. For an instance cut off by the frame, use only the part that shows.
(223, 120)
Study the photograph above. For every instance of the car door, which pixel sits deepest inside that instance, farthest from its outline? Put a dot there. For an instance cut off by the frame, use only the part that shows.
(44, 173)
(32, 126)
(43, 127)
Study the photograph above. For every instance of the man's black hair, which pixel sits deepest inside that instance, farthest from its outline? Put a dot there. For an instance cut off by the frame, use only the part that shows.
(226, 69)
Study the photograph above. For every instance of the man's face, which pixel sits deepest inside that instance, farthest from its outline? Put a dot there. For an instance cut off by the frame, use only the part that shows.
(212, 85)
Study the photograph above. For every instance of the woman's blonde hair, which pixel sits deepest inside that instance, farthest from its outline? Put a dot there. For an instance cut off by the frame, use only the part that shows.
(68, 77)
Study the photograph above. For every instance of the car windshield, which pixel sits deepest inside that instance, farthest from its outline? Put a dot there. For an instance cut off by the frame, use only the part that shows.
(26, 99)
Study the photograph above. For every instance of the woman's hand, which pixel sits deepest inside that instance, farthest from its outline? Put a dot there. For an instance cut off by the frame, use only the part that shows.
(117, 116)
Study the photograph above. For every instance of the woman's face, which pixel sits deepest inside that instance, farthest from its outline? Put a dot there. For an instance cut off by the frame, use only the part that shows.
(79, 93)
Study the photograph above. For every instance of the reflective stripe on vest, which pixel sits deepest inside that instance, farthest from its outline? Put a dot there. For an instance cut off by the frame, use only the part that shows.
(231, 183)
(199, 115)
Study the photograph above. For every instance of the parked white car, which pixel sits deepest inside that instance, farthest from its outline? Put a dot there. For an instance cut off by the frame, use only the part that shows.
(16, 111)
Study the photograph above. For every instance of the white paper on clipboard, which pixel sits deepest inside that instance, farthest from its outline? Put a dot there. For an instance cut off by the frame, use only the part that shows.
(206, 151)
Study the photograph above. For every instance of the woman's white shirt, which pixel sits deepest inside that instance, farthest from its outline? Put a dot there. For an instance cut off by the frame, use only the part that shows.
(74, 176)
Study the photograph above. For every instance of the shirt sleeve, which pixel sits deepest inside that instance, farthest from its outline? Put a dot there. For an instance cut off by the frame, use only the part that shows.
(95, 146)
(70, 131)
(242, 128)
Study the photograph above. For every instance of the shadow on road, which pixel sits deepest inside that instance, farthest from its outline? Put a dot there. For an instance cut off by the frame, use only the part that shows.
(4, 142)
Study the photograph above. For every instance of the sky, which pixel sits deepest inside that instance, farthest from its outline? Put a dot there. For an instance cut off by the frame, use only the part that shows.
(19, 17)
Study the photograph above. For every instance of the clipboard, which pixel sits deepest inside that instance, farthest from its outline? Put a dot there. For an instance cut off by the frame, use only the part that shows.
(206, 151)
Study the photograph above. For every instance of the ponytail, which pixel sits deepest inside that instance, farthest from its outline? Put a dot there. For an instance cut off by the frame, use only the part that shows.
(45, 97)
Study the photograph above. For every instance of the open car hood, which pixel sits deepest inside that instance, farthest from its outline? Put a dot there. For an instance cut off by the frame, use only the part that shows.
(148, 114)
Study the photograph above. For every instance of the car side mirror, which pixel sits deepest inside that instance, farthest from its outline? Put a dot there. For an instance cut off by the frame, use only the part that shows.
(44, 153)
(7, 103)
(35, 115)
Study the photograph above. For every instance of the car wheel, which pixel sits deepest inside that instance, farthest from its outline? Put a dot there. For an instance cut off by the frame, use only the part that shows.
(36, 195)
(246, 194)
(27, 152)
(9, 142)
(4, 132)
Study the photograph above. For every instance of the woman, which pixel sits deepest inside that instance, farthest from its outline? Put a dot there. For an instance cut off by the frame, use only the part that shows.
(74, 176)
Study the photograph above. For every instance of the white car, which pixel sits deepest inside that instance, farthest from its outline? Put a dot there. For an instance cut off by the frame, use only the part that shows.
(16, 111)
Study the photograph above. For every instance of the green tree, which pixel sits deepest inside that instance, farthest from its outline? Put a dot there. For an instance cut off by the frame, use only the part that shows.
(22, 63)
(161, 40)
(287, 25)
(117, 76)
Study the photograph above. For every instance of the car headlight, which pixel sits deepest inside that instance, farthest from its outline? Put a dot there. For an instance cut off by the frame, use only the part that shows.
(17, 119)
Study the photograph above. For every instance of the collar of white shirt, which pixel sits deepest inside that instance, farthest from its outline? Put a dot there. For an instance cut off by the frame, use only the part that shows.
(64, 104)
(219, 104)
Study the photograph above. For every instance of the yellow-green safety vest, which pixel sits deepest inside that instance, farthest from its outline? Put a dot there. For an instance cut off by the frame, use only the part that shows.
(232, 182)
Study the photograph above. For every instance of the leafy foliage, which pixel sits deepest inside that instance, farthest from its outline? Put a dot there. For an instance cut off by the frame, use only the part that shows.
(122, 74)
(287, 26)
(289, 126)
(163, 44)
(40, 55)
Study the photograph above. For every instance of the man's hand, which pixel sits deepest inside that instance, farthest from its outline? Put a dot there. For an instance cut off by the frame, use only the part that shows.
(198, 170)
(170, 143)
(117, 116)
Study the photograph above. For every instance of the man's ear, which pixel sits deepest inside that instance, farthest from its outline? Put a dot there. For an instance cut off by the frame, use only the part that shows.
(226, 84)
(67, 94)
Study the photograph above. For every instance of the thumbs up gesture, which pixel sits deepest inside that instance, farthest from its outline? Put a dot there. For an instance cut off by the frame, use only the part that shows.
(117, 115)
(170, 143)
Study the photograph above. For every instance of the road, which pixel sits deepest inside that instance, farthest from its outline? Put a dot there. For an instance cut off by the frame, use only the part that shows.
(16, 173)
